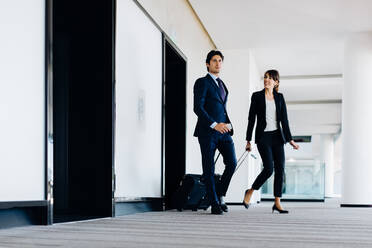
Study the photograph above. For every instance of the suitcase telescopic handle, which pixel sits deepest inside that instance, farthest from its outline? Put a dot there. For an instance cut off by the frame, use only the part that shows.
(215, 161)
(240, 160)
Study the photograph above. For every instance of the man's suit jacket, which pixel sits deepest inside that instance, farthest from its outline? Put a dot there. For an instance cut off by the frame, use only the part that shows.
(209, 106)
(258, 108)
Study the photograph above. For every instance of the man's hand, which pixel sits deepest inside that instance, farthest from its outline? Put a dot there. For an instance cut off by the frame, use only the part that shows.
(222, 128)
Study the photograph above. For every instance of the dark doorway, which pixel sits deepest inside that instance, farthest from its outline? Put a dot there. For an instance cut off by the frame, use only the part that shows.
(82, 109)
(175, 120)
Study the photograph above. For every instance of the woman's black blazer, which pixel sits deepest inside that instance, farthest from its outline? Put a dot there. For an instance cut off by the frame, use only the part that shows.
(258, 108)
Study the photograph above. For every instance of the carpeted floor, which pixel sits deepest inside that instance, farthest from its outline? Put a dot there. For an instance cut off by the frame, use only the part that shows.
(307, 225)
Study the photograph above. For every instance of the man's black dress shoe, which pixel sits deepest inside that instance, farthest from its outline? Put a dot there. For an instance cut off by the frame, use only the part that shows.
(223, 205)
(216, 209)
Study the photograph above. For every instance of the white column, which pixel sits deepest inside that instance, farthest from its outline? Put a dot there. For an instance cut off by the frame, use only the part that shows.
(357, 121)
(327, 155)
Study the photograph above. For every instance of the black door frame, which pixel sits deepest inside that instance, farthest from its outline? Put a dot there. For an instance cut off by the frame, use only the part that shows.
(49, 132)
(168, 40)
(49, 165)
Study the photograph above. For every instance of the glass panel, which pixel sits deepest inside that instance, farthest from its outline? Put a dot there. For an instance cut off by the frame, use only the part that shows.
(304, 179)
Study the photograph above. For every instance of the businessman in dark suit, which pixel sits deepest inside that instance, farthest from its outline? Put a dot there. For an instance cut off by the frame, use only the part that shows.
(214, 130)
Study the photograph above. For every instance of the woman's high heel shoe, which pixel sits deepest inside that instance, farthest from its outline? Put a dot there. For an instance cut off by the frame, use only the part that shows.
(246, 205)
(280, 211)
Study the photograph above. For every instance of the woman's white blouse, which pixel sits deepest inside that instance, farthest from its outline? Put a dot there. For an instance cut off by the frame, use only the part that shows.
(270, 116)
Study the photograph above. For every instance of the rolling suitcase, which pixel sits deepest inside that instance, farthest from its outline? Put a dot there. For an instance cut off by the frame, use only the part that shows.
(192, 191)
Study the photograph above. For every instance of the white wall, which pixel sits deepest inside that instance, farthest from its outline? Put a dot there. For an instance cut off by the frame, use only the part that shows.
(337, 165)
(138, 103)
(357, 120)
(22, 94)
(179, 22)
(241, 76)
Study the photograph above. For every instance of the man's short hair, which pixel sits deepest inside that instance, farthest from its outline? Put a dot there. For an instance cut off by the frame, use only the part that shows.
(211, 54)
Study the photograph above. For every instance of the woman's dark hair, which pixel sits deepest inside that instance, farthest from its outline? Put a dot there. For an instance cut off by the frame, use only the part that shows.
(211, 54)
(274, 74)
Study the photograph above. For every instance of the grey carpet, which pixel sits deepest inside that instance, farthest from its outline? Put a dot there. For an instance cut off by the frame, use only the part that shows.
(307, 225)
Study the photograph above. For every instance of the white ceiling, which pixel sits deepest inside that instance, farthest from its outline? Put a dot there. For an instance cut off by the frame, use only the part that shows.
(297, 37)
(301, 37)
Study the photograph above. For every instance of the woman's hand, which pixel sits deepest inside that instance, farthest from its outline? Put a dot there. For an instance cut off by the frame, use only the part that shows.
(294, 145)
(248, 147)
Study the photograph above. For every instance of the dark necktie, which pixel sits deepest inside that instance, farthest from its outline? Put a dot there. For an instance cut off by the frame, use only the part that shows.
(222, 89)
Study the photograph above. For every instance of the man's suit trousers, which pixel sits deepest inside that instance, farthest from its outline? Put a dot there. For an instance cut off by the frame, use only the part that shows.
(225, 145)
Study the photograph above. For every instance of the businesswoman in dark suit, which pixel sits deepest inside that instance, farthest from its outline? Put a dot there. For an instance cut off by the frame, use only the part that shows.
(272, 132)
